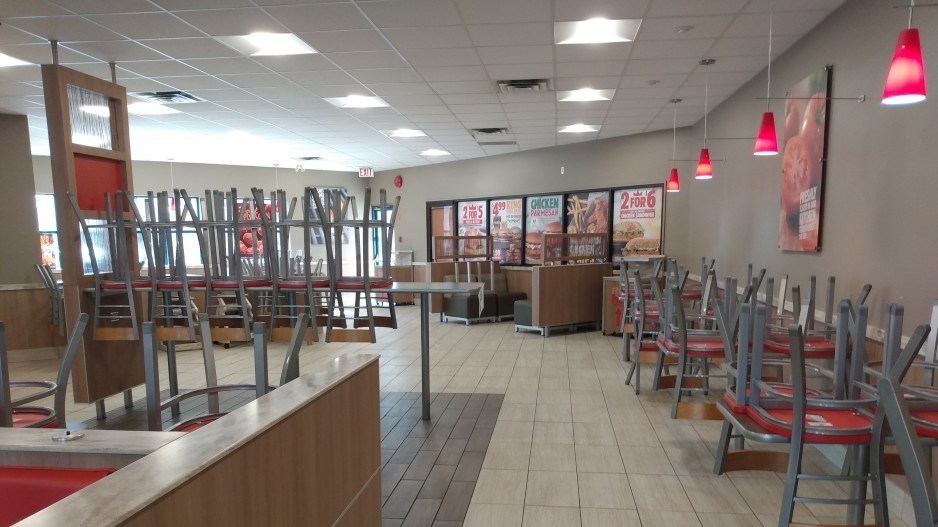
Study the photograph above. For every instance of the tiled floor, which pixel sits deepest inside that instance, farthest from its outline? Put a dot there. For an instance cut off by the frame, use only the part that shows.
(572, 445)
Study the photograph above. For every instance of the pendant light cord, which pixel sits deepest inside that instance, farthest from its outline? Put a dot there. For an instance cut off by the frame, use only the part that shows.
(706, 99)
(674, 134)
(768, 83)
(911, 10)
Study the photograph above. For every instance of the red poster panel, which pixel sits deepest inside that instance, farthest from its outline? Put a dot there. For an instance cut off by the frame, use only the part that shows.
(94, 177)
(507, 219)
(543, 214)
(637, 222)
(803, 163)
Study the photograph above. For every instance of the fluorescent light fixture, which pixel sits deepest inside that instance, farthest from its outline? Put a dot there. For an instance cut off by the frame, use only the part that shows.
(150, 108)
(585, 95)
(94, 109)
(406, 132)
(268, 44)
(578, 128)
(6, 60)
(357, 101)
(434, 152)
(596, 31)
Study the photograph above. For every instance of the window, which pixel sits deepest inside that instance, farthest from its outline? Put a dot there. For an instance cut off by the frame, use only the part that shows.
(48, 231)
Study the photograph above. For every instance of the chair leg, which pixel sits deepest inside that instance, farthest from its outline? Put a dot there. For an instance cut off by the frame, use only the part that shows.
(678, 384)
(856, 513)
(723, 448)
(791, 481)
(656, 382)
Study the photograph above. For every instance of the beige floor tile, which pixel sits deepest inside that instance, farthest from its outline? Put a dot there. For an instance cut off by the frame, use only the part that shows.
(635, 434)
(659, 493)
(590, 413)
(513, 432)
(507, 456)
(559, 433)
(488, 384)
(550, 456)
(594, 434)
(516, 412)
(710, 519)
(522, 395)
(698, 461)
(763, 495)
(500, 486)
(587, 398)
(536, 516)
(554, 383)
(553, 397)
(492, 515)
(598, 458)
(714, 494)
(558, 489)
(645, 460)
(557, 413)
(651, 518)
(605, 491)
(609, 518)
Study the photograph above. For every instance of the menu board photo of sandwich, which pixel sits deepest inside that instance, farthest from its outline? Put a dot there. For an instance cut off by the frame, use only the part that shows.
(506, 217)
(637, 222)
(471, 221)
(543, 214)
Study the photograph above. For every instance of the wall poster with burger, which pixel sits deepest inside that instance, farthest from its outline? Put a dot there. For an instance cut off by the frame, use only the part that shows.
(637, 220)
(543, 214)
(803, 163)
(506, 216)
(471, 221)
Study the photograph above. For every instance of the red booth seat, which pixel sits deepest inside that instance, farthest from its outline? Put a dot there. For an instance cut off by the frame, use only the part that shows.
(25, 491)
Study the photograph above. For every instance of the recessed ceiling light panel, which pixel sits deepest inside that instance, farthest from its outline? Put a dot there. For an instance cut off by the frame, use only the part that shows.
(434, 152)
(596, 31)
(267, 44)
(6, 60)
(357, 101)
(578, 128)
(585, 95)
(405, 132)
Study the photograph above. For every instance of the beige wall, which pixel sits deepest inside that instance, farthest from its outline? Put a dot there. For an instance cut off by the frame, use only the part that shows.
(19, 240)
(879, 223)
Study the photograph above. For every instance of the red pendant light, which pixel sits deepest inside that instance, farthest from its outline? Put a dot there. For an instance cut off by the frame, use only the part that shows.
(674, 184)
(766, 140)
(704, 168)
(905, 81)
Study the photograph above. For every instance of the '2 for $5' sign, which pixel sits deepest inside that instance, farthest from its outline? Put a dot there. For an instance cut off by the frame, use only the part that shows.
(638, 204)
(473, 214)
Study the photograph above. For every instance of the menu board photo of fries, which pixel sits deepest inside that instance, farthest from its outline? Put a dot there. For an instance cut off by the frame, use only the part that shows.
(637, 222)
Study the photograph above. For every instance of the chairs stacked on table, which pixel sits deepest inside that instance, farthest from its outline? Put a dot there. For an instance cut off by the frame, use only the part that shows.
(56, 298)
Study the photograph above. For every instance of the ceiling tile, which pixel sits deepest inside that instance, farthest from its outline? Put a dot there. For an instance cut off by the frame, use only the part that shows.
(499, 11)
(764, 6)
(428, 37)
(590, 69)
(15, 8)
(567, 10)
(63, 28)
(230, 22)
(665, 28)
(146, 25)
(228, 65)
(322, 17)
(291, 63)
(670, 49)
(651, 67)
(470, 98)
(520, 71)
(202, 4)
(256, 80)
(115, 50)
(350, 40)
(411, 13)
(516, 54)
(190, 48)
(606, 52)
(195, 82)
(367, 59)
(399, 101)
(511, 34)
(401, 88)
(734, 47)
(159, 68)
(454, 73)
(441, 57)
(754, 25)
(318, 78)
(575, 83)
(385, 75)
(685, 8)
(340, 90)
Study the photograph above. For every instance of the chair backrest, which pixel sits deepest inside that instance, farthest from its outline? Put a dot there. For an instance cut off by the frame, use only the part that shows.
(6, 404)
(782, 296)
(736, 351)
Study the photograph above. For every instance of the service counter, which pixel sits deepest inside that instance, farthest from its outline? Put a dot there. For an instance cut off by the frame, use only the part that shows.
(307, 453)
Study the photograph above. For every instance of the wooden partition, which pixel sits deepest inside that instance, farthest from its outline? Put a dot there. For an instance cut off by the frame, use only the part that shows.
(450, 248)
(308, 453)
(567, 294)
(25, 311)
(519, 279)
(574, 248)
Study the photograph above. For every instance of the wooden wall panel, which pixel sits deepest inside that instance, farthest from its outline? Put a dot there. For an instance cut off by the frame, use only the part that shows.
(25, 311)
(519, 279)
(568, 294)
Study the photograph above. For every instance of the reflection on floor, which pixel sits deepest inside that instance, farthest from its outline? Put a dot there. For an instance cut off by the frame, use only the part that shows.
(571, 445)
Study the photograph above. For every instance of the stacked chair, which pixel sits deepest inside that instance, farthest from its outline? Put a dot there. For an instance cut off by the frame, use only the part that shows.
(56, 298)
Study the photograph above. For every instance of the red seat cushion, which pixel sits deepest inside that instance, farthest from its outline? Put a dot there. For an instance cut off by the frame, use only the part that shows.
(176, 285)
(729, 396)
(650, 313)
(301, 284)
(25, 417)
(693, 294)
(196, 423)
(353, 284)
(813, 349)
(25, 491)
(248, 282)
(930, 416)
(136, 283)
(695, 348)
(816, 419)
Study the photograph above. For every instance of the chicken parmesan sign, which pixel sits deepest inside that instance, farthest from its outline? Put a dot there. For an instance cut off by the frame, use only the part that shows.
(636, 229)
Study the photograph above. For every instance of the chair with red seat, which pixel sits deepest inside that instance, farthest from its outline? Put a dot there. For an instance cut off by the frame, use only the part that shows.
(211, 390)
(20, 413)
(645, 315)
(25, 491)
(107, 241)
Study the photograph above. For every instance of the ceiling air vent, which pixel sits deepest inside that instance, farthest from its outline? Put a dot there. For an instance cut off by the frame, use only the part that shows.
(308, 158)
(489, 131)
(523, 85)
(166, 97)
(493, 137)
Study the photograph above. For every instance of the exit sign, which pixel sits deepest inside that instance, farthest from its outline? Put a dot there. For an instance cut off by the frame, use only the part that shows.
(366, 172)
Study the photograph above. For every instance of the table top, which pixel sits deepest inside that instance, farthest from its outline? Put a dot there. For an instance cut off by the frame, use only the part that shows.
(431, 287)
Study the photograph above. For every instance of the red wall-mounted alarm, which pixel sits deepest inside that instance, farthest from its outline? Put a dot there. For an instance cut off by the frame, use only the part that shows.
(398, 181)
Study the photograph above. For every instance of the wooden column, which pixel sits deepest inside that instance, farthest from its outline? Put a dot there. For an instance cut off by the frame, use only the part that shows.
(102, 368)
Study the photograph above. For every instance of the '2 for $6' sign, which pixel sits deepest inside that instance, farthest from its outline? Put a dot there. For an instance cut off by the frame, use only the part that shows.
(638, 204)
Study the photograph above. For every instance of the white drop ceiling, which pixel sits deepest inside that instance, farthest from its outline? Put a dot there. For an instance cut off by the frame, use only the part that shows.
(435, 62)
